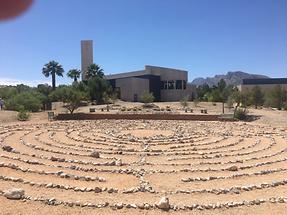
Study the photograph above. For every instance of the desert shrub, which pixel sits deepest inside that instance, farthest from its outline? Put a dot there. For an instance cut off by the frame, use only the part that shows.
(23, 115)
(240, 113)
(195, 102)
(113, 97)
(69, 95)
(45, 90)
(184, 102)
(277, 97)
(7, 92)
(30, 101)
(147, 97)
(257, 97)
(98, 89)
(230, 102)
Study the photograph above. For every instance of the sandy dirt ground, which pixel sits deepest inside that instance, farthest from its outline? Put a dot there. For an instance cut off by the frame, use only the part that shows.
(175, 107)
(126, 167)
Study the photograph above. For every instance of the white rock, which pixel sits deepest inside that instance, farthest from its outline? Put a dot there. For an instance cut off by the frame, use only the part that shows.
(119, 162)
(14, 193)
(164, 203)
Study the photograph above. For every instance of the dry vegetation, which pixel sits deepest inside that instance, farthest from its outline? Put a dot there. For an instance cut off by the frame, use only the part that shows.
(126, 167)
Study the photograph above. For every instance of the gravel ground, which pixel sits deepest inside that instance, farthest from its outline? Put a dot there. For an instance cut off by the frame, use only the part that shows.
(197, 165)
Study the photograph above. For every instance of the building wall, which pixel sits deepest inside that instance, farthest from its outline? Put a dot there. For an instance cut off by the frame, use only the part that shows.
(168, 74)
(177, 95)
(86, 56)
(124, 81)
(129, 87)
(264, 87)
(172, 95)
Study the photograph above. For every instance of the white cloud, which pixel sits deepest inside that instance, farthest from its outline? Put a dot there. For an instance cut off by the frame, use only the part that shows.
(10, 81)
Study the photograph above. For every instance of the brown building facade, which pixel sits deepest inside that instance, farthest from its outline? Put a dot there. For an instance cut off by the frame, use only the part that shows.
(266, 84)
(166, 84)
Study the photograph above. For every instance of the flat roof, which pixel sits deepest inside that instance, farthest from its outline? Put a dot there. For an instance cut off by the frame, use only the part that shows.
(161, 67)
(264, 81)
(146, 71)
(127, 74)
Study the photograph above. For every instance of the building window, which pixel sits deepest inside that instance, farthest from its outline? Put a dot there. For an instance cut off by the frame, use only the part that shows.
(165, 85)
(171, 85)
(184, 85)
(179, 84)
(162, 85)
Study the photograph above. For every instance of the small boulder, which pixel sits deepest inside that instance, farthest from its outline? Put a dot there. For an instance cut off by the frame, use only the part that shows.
(164, 203)
(233, 168)
(7, 148)
(97, 190)
(119, 205)
(95, 154)
(119, 162)
(14, 193)
(185, 180)
(53, 158)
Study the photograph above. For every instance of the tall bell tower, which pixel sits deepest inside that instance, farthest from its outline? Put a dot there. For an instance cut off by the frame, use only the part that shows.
(86, 56)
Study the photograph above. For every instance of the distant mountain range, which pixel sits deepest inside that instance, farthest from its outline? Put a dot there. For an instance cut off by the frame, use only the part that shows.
(231, 78)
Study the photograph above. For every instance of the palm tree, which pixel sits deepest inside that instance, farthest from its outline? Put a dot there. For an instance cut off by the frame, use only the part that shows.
(74, 74)
(53, 68)
(95, 70)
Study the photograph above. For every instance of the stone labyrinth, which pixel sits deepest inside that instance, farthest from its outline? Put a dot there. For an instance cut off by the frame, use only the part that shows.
(144, 165)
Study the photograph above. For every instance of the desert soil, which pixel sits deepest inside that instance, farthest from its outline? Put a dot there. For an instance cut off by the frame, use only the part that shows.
(142, 161)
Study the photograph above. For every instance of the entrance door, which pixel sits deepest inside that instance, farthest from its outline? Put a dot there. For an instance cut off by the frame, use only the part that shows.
(135, 97)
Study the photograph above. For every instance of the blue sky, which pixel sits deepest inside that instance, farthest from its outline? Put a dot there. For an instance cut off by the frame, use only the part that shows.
(205, 37)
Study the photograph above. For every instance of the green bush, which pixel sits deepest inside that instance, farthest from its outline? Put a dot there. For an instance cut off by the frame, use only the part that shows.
(240, 114)
(184, 102)
(98, 88)
(23, 115)
(230, 102)
(277, 97)
(257, 97)
(147, 97)
(30, 101)
(70, 95)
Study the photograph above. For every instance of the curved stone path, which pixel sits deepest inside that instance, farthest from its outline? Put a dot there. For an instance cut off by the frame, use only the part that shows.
(145, 165)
